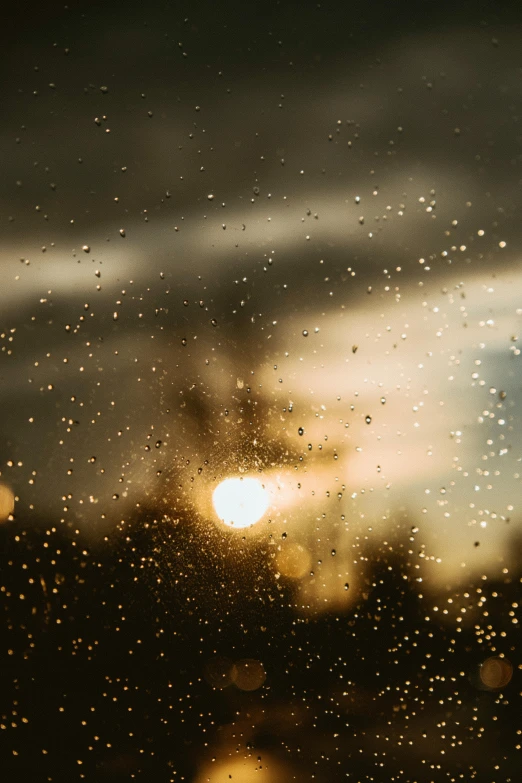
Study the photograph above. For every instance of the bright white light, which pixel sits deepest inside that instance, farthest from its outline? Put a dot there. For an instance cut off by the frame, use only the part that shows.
(240, 502)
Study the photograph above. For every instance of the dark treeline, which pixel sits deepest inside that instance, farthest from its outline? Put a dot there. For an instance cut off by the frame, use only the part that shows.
(115, 645)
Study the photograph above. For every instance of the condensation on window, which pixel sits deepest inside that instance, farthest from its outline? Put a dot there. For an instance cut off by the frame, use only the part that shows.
(260, 462)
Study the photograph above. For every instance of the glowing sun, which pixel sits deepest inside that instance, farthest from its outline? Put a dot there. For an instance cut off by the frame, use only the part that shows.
(240, 502)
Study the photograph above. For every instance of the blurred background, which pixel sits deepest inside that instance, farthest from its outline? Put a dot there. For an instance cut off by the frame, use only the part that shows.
(260, 457)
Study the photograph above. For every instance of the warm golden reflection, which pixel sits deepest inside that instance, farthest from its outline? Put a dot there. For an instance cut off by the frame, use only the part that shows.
(496, 672)
(6, 502)
(240, 502)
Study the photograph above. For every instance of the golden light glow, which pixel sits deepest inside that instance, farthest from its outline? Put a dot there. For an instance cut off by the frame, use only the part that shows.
(6, 502)
(240, 502)
(244, 770)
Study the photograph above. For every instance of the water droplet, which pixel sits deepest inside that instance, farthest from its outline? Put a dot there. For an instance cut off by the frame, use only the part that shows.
(368, 420)
(300, 431)
(305, 333)
(86, 248)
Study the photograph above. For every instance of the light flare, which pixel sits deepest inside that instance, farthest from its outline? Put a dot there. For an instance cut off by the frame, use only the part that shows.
(240, 502)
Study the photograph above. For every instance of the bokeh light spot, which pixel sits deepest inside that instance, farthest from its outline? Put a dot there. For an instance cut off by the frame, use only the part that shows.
(293, 561)
(218, 672)
(248, 674)
(496, 672)
(6, 502)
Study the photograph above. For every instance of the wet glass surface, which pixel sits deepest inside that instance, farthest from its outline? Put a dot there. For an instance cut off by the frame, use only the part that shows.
(260, 458)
